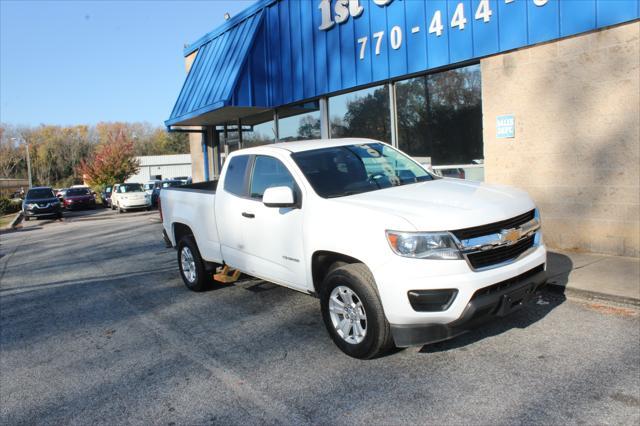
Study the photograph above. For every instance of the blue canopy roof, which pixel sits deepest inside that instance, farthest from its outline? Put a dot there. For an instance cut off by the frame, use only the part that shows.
(214, 74)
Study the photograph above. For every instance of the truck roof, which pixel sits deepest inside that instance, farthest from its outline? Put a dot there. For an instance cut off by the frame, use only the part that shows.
(299, 146)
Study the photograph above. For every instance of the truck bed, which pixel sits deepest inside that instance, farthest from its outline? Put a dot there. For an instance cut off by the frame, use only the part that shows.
(193, 206)
(208, 186)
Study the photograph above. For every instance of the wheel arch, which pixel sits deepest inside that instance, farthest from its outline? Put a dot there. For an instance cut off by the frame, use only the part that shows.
(322, 262)
(180, 230)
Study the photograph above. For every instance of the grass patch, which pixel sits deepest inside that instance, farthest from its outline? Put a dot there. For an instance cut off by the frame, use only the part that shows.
(6, 220)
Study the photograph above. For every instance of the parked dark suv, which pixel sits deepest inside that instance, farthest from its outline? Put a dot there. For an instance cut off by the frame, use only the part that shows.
(41, 202)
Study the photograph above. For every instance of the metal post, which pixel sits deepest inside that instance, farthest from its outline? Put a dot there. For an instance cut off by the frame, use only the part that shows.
(205, 154)
(325, 129)
(276, 128)
(393, 115)
(240, 134)
(28, 164)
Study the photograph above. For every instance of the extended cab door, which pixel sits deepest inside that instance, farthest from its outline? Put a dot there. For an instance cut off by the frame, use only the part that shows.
(274, 240)
(230, 202)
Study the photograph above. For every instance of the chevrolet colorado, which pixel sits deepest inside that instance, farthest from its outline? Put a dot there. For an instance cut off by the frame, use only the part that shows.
(396, 255)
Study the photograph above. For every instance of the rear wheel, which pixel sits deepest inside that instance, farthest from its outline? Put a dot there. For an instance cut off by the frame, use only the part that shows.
(27, 218)
(353, 313)
(191, 265)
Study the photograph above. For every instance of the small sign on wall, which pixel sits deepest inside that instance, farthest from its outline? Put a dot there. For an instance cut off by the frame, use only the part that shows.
(505, 126)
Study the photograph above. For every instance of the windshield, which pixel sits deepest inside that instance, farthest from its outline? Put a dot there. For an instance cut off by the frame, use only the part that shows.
(353, 169)
(130, 187)
(40, 193)
(77, 191)
(149, 186)
(171, 183)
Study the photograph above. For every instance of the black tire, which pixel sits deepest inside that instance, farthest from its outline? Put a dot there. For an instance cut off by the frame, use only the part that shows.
(377, 339)
(27, 218)
(202, 280)
(59, 216)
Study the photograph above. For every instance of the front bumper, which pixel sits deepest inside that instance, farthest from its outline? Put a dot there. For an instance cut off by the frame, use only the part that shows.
(135, 204)
(494, 301)
(42, 211)
(80, 204)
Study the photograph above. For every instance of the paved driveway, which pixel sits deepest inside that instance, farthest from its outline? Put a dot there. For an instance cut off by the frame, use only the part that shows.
(97, 327)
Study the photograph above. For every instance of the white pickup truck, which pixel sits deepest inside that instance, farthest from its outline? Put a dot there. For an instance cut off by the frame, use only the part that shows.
(396, 255)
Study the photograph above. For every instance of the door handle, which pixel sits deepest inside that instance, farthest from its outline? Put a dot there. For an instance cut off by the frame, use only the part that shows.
(248, 215)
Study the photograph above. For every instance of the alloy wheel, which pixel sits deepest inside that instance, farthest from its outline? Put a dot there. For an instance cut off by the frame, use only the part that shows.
(348, 315)
(188, 265)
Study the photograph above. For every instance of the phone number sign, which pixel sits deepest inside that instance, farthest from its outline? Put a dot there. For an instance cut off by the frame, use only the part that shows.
(396, 37)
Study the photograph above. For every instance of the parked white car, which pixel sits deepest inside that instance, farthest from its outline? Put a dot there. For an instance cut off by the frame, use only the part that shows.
(127, 196)
(397, 255)
(151, 185)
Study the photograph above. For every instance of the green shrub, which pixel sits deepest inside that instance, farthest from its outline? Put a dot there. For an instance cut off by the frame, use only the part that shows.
(7, 206)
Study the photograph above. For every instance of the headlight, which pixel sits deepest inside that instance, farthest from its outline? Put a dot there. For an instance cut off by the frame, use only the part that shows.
(424, 245)
(55, 203)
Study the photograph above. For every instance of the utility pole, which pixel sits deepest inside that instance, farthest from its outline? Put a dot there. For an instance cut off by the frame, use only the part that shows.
(26, 145)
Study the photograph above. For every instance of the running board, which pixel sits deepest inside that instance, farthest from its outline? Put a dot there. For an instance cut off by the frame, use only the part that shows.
(227, 275)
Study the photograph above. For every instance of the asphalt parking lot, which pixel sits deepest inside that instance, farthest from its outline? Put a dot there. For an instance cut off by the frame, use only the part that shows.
(96, 327)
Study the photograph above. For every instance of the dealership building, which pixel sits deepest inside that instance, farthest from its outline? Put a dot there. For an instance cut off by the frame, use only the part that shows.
(539, 94)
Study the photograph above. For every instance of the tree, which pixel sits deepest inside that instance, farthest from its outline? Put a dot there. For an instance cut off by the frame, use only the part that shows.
(113, 161)
(11, 156)
(309, 128)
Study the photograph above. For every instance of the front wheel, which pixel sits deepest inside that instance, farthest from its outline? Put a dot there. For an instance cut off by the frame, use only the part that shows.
(191, 265)
(353, 314)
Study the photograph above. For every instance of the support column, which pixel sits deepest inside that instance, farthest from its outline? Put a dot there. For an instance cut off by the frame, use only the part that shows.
(325, 123)
(214, 137)
(393, 115)
(276, 128)
(205, 155)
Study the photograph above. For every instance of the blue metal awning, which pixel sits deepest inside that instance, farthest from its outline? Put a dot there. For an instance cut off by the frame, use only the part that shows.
(214, 74)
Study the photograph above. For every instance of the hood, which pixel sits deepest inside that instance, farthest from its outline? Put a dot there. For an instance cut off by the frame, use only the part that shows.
(446, 204)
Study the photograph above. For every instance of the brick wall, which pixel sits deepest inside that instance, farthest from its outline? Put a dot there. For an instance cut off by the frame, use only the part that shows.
(577, 144)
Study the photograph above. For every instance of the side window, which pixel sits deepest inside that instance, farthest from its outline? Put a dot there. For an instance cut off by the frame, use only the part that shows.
(267, 173)
(234, 181)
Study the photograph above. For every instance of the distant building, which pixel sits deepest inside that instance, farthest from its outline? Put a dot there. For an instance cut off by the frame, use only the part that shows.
(162, 167)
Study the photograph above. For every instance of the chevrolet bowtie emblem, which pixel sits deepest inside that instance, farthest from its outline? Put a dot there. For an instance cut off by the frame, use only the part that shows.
(510, 235)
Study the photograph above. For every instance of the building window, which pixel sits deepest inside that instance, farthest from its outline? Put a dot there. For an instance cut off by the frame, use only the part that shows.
(299, 122)
(440, 117)
(363, 114)
(263, 130)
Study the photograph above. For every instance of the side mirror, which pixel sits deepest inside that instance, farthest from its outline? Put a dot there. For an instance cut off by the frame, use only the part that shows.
(278, 196)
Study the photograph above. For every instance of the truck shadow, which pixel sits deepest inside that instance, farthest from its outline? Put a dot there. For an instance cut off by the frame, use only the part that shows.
(548, 298)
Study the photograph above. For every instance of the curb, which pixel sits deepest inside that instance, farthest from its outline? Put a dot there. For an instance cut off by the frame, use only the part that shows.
(591, 295)
(16, 220)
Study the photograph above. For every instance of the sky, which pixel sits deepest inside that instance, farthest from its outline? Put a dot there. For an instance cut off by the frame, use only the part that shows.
(81, 62)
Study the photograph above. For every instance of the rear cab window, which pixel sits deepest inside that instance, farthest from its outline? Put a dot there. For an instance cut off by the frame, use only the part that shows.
(236, 174)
